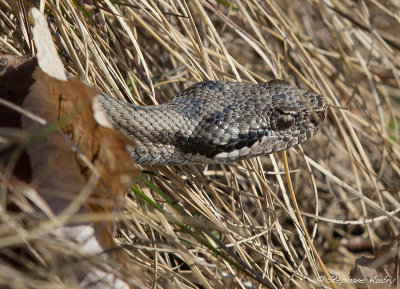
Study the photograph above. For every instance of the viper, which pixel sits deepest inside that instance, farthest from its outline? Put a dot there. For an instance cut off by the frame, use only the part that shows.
(218, 122)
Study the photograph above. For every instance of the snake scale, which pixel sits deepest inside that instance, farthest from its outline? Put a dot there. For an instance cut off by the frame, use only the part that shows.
(218, 122)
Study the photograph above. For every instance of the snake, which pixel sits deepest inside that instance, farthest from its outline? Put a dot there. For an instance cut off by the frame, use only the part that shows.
(218, 122)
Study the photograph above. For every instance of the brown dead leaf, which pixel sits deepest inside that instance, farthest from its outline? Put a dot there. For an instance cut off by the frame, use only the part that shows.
(70, 105)
(381, 271)
(75, 164)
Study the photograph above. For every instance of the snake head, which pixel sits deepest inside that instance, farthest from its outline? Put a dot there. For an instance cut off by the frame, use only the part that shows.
(297, 114)
(272, 117)
(235, 121)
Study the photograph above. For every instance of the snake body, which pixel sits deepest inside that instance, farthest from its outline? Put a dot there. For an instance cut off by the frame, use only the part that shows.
(218, 122)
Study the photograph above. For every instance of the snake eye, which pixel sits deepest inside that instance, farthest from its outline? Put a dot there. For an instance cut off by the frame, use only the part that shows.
(285, 122)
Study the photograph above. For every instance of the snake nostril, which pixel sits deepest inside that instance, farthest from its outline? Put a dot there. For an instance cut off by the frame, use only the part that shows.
(322, 114)
(317, 117)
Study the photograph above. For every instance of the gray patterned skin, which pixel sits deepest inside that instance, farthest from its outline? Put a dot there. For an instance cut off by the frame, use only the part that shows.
(218, 122)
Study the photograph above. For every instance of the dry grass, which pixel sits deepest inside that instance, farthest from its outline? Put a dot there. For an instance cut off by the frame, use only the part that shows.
(232, 226)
